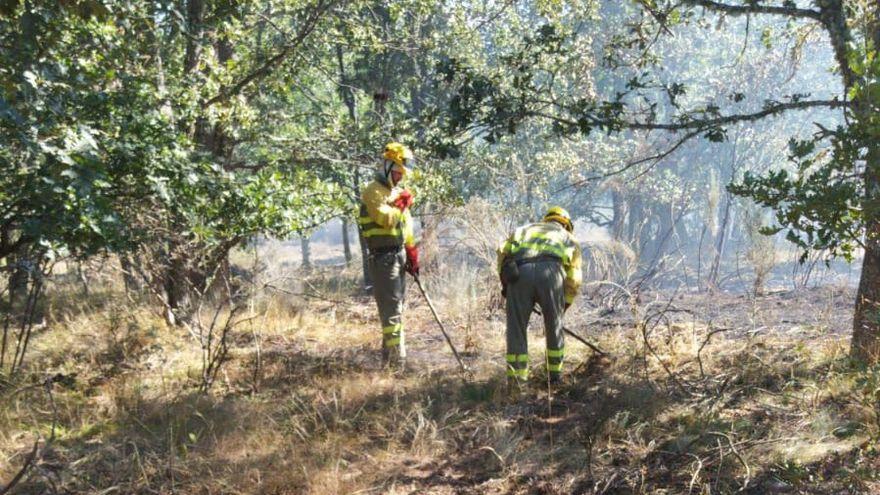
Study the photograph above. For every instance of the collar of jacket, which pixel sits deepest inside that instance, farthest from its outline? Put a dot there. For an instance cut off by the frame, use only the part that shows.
(555, 224)
(382, 179)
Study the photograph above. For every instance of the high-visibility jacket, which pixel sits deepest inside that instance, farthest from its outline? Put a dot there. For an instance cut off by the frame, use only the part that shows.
(382, 224)
(546, 239)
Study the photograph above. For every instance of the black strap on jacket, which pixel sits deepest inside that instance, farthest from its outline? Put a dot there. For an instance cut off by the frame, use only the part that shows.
(385, 250)
(538, 259)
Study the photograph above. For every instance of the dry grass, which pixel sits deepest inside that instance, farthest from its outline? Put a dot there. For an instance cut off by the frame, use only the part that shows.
(303, 407)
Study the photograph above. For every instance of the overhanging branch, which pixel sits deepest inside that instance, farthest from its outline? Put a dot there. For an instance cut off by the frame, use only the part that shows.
(654, 159)
(693, 128)
(755, 8)
(700, 124)
(768, 111)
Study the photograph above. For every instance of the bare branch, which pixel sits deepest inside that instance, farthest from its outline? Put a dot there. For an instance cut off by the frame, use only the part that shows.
(755, 8)
(770, 109)
(656, 158)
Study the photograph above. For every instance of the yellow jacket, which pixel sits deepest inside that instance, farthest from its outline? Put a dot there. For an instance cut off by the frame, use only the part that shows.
(382, 224)
(546, 238)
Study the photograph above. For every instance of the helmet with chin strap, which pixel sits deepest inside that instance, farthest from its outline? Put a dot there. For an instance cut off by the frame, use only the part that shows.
(559, 215)
(396, 157)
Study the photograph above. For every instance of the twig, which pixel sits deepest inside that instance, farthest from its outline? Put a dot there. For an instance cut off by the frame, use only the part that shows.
(703, 345)
(495, 453)
(317, 296)
(642, 324)
(737, 455)
(696, 472)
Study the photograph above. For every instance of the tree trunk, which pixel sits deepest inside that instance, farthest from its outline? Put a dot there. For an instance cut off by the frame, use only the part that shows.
(129, 278)
(175, 288)
(635, 221)
(346, 243)
(380, 98)
(720, 244)
(529, 196)
(17, 286)
(18, 283)
(349, 98)
(658, 245)
(187, 270)
(195, 11)
(306, 252)
(647, 230)
(866, 319)
(655, 247)
(618, 220)
(365, 253)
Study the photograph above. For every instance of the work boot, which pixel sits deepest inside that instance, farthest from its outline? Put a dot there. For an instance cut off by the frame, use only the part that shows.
(515, 387)
(393, 360)
(555, 379)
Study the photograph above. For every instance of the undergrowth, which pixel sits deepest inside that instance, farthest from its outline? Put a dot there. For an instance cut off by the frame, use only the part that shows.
(302, 406)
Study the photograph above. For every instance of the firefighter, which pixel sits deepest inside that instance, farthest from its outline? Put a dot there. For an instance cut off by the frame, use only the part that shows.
(539, 263)
(387, 227)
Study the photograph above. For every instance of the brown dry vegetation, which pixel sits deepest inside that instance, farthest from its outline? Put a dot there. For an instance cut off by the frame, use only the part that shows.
(734, 394)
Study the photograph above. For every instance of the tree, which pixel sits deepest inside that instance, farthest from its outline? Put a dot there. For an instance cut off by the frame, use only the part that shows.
(128, 129)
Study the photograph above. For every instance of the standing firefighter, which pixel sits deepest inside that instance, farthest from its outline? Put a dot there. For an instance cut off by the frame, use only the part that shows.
(539, 263)
(387, 226)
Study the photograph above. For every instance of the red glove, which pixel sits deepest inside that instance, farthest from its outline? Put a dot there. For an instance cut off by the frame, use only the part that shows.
(412, 260)
(404, 200)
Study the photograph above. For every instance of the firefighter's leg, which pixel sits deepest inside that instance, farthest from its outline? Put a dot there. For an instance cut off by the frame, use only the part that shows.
(551, 299)
(386, 270)
(520, 301)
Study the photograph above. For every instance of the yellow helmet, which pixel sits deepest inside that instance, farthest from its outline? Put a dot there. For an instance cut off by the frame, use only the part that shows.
(398, 154)
(560, 215)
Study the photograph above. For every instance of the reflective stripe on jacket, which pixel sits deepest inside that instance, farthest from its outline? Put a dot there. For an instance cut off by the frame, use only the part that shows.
(381, 223)
(546, 238)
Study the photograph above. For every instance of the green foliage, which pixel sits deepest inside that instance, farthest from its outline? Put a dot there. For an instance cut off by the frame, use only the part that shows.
(63, 184)
(819, 204)
(824, 203)
(101, 151)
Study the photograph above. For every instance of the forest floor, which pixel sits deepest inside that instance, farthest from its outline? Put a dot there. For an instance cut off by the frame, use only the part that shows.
(700, 393)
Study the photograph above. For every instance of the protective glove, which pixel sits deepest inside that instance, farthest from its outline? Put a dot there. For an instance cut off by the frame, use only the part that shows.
(412, 260)
(404, 200)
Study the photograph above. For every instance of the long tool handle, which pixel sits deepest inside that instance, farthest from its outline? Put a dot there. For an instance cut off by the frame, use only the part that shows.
(577, 337)
(585, 342)
(440, 323)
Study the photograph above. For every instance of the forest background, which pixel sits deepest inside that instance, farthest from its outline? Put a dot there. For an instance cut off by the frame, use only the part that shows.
(721, 160)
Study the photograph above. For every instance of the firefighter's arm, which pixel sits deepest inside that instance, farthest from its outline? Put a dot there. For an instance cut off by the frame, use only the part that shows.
(378, 208)
(573, 274)
(502, 251)
(406, 223)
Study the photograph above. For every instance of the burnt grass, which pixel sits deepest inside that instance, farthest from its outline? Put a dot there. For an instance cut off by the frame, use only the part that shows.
(732, 393)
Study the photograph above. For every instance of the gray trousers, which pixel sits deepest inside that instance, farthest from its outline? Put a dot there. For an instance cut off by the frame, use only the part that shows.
(389, 287)
(539, 283)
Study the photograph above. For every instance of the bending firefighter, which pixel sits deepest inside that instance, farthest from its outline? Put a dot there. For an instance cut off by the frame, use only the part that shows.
(387, 226)
(539, 263)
